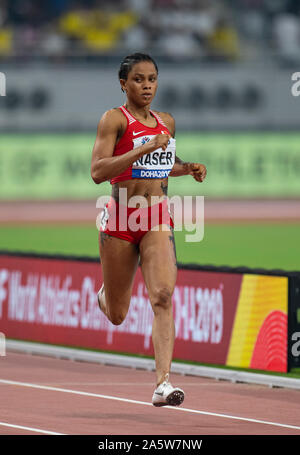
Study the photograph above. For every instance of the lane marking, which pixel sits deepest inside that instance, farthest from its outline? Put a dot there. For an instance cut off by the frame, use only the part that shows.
(118, 384)
(127, 400)
(20, 427)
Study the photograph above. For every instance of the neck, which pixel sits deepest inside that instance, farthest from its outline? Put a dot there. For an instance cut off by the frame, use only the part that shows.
(138, 111)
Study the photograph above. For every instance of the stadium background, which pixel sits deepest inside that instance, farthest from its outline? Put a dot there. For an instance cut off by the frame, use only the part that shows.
(225, 74)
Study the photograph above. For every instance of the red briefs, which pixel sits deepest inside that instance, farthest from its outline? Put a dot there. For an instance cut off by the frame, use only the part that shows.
(132, 223)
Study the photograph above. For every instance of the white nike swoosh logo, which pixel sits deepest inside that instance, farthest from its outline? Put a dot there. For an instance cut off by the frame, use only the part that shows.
(139, 132)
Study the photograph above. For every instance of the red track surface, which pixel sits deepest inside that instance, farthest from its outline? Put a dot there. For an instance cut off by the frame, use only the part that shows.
(210, 407)
(87, 212)
(71, 413)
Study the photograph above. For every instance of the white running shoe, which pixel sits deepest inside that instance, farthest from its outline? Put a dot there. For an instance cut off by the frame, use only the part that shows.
(167, 395)
(98, 296)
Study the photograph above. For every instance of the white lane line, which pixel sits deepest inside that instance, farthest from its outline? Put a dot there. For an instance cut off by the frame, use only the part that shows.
(20, 427)
(127, 400)
(120, 384)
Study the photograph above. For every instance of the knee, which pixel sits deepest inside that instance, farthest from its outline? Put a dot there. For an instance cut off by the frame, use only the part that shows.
(117, 309)
(116, 318)
(161, 298)
(116, 314)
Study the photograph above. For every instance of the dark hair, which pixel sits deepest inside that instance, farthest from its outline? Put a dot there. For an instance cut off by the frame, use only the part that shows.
(129, 61)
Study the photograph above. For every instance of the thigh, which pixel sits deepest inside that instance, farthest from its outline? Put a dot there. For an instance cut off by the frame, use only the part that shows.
(158, 261)
(119, 260)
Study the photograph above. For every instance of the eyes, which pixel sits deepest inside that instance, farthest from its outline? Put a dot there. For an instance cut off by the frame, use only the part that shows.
(141, 79)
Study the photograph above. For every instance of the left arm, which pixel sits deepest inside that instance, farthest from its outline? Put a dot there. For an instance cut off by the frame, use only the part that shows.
(197, 170)
(180, 168)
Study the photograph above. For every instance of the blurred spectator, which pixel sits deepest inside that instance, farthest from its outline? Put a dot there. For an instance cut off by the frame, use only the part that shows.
(5, 31)
(224, 42)
(141, 8)
(252, 19)
(177, 44)
(287, 37)
(191, 28)
(182, 31)
(98, 28)
(53, 43)
(6, 41)
(137, 37)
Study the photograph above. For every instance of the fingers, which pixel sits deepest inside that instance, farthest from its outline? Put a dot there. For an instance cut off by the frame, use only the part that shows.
(163, 140)
(199, 178)
(203, 172)
(198, 171)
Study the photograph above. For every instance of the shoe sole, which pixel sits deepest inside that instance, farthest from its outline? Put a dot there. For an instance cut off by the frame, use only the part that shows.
(174, 399)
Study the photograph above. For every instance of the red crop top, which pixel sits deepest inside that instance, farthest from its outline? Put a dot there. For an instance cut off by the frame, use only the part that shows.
(157, 164)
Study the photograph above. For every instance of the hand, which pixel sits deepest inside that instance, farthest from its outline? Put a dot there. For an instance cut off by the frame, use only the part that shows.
(159, 141)
(198, 171)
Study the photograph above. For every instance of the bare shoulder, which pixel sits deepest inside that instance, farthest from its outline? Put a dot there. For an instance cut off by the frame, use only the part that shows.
(112, 119)
(169, 120)
(112, 115)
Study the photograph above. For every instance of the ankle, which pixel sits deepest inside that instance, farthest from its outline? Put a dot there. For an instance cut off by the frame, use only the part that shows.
(164, 378)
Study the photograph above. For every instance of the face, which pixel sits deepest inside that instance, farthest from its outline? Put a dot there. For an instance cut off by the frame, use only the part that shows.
(141, 83)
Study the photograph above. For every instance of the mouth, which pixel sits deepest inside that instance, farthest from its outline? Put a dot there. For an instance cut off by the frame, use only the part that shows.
(147, 95)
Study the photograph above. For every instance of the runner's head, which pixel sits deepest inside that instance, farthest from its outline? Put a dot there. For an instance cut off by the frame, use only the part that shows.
(138, 78)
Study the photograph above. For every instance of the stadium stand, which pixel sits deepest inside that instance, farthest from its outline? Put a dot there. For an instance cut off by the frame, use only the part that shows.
(199, 29)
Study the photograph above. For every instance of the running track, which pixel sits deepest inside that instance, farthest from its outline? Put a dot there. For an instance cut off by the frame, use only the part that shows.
(42, 395)
(87, 212)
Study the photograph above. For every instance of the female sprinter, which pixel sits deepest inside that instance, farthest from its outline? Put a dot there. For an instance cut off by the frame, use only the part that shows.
(134, 149)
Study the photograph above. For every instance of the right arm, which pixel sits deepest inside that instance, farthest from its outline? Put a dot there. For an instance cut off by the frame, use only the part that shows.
(104, 165)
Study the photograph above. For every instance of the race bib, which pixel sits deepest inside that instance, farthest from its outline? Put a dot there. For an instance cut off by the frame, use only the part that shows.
(155, 165)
